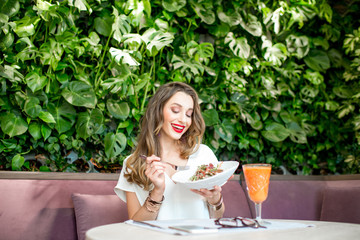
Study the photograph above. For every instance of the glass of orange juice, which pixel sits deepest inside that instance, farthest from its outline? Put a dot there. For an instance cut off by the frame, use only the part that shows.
(257, 178)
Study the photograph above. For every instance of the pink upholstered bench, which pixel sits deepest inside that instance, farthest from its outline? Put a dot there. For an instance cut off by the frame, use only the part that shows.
(62, 206)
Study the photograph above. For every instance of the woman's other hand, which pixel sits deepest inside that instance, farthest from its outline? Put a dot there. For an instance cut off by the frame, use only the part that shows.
(212, 196)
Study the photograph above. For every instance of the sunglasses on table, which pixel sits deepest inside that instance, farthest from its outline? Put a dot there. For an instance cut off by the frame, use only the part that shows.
(238, 222)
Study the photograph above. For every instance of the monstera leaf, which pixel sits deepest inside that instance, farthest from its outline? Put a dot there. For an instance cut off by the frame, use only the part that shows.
(64, 116)
(252, 25)
(225, 130)
(123, 56)
(297, 134)
(275, 132)
(158, 40)
(89, 123)
(80, 94)
(121, 25)
(114, 144)
(204, 10)
(276, 54)
(239, 46)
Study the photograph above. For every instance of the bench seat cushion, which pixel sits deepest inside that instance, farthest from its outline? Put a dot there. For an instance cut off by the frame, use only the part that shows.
(96, 210)
(341, 204)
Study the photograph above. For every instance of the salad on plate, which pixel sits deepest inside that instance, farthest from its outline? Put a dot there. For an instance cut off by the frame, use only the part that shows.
(206, 170)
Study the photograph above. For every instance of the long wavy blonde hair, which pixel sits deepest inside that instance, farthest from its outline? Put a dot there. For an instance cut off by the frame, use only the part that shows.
(151, 124)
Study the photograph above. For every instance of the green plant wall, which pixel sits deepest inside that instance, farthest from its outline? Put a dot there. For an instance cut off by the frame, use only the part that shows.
(278, 80)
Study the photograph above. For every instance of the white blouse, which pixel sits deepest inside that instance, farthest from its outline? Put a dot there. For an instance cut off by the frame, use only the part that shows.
(179, 202)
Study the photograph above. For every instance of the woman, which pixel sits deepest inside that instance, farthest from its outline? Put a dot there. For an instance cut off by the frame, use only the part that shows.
(170, 136)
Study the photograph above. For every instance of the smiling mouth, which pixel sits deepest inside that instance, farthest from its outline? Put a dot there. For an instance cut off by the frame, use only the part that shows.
(178, 128)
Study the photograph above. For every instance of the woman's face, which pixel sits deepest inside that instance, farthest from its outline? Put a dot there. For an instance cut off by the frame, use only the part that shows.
(177, 116)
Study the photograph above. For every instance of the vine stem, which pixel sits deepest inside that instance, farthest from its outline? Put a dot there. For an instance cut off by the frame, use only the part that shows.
(97, 77)
(147, 85)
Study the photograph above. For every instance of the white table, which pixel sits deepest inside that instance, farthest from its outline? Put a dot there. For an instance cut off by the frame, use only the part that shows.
(320, 231)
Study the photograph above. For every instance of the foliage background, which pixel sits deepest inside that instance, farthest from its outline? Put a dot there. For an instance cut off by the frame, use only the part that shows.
(278, 80)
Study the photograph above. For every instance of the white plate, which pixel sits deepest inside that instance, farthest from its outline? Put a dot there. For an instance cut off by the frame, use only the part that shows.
(183, 177)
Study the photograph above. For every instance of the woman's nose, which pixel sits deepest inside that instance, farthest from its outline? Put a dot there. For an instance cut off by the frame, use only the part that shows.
(182, 118)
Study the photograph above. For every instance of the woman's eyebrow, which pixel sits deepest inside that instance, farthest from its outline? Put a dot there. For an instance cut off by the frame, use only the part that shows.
(179, 105)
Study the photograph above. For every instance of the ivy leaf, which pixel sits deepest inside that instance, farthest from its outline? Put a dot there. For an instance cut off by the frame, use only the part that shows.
(47, 117)
(254, 120)
(35, 82)
(211, 117)
(17, 162)
(317, 60)
(10, 73)
(103, 25)
(225, 130)
(173, 5)
(6, 40)
(45, 131)
(64, 116)
(51, 53)
(256, 144)
(25, 27)
(10, 8)
(32, 107)
(275, 132)
(114, 144)
(88, 124)
(13, 125)
(35, 130)
(80, 94)
(118, 110)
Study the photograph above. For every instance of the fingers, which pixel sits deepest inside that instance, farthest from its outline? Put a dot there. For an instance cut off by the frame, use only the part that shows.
(155, 170)
(209, 194)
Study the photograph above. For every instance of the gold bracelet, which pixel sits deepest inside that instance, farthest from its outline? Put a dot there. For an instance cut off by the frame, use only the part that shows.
(151, 205)
(153, 201)
(217, 206)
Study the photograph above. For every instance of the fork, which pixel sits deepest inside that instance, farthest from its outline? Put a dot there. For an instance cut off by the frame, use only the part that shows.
(179, 168)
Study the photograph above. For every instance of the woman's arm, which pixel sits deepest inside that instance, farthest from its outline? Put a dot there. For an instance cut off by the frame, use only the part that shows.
(148, 211)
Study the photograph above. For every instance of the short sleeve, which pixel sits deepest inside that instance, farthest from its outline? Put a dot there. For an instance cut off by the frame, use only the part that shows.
(123, 185)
